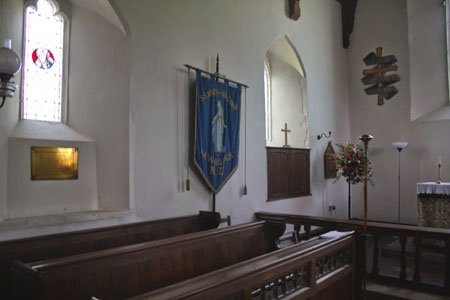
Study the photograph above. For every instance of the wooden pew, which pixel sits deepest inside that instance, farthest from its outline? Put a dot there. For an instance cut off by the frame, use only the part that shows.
(322, 268)
(132, 270)
(407, 273)
(76, 242)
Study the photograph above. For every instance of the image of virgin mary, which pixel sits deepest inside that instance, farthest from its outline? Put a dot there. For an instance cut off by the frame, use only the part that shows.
(218, 127)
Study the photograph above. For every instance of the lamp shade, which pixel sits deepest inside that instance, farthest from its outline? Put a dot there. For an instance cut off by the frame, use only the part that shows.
(9, 60)
(400, 145)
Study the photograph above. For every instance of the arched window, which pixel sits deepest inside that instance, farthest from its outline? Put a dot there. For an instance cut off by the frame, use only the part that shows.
(43, 62)
(268, 97)
(286, 96)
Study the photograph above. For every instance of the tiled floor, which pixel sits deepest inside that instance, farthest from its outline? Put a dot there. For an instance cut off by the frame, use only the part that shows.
(432, 270)
(380, 292)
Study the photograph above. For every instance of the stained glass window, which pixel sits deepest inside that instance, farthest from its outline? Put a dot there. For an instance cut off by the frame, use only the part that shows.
(43, 62)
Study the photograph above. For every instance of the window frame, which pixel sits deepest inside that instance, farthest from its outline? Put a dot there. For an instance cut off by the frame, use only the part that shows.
(268, 99)
(447, 40)
(62, 10)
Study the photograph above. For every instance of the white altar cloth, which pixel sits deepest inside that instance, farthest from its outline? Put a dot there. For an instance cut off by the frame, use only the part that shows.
(433, 188)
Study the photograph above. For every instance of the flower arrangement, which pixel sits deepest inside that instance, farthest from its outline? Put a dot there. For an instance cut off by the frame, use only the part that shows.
(349, 162)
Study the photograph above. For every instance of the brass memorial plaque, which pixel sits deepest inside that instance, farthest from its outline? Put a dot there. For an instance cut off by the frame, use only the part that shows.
(52, 163)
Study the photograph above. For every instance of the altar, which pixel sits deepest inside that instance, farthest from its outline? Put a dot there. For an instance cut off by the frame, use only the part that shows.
(433, 204)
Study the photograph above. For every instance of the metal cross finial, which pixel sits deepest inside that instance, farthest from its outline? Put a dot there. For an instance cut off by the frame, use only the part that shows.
(217, 64)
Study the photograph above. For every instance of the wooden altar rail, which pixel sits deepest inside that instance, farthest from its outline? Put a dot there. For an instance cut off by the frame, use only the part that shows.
(317, 269)
(376, 230)
(82, 241)
(131, 270)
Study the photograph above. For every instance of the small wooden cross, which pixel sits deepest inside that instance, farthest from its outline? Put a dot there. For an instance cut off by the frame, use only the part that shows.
(286, 131)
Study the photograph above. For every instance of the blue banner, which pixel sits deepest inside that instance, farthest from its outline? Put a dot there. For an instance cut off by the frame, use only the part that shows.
(217, 118)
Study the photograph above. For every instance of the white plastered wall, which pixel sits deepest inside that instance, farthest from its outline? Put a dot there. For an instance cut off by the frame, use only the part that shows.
(166, 35)
(11, 25)
(99, 90)
(98, 96)
(429, 83)
(391, 24)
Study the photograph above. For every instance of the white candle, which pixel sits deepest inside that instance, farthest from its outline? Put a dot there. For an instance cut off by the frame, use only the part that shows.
(440, 160)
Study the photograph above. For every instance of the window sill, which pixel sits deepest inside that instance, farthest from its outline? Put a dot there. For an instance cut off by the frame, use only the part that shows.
(440, 114)
(288, 197)
(40, 130)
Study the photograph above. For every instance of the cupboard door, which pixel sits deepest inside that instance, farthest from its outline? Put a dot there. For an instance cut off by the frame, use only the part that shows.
(277, 173)
(287, 173)
(299, 172)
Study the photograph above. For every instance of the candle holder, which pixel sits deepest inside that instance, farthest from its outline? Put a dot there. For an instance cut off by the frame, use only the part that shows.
(439, 174)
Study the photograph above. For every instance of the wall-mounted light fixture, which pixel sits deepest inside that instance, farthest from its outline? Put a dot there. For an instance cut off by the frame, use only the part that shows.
(9, 65)
(324, 135)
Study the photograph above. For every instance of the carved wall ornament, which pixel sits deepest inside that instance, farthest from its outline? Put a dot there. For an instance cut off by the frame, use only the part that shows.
(330, 167)
(294, 9)
(376, 77)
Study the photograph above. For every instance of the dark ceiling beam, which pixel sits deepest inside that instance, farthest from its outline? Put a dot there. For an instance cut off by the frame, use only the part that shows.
(348, 8)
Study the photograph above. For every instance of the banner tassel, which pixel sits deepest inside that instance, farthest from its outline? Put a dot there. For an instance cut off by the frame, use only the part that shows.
(245, 141)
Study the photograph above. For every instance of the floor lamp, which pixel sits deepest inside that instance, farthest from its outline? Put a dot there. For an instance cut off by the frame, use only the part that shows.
(399, 146)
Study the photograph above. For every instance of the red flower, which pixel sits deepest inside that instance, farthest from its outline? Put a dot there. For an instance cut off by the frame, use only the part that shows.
(350, 161)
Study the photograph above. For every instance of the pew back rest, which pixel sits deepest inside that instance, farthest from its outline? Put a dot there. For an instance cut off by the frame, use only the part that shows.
(131, 270)
(306, 270)
(76, 242)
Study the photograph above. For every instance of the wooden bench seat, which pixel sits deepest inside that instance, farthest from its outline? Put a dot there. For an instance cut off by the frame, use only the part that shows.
(76, 242)
(317, 269)
(132, 270)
